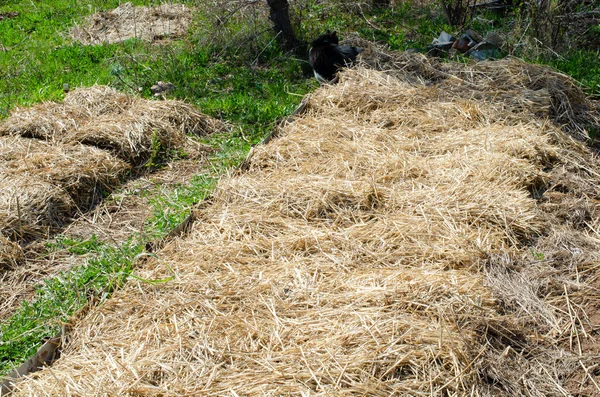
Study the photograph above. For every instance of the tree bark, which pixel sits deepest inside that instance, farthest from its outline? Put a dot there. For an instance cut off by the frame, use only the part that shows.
(381, 4)
(280, 16)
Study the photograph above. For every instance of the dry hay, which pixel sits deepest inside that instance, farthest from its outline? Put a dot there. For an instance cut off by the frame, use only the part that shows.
(43, 184)
(50, 171)
(131, 128)
(26, 269)
(510, 78)
(125, 211)
(126, 22)
(383, 245)
(113, 220)
(11, 253)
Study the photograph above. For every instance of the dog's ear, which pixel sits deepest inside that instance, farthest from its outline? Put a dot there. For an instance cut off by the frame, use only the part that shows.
(334, 38)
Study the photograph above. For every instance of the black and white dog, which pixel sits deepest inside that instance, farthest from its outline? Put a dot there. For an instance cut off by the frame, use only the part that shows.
(326, 56)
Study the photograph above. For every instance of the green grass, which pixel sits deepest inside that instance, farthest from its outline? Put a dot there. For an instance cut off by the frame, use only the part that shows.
(61, 296)
(41, 58)
(37, 58)
(583, 66)
(170, 210)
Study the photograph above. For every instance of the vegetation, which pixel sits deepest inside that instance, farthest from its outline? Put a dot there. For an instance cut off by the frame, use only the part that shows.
(59, 297)
(231, 66)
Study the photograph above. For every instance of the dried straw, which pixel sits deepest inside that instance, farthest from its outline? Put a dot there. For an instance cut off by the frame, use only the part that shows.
(55, 160)
(11, 254)
(537, 88)
(348, 260)
(43, 184)
(131, 128)
(126, 22)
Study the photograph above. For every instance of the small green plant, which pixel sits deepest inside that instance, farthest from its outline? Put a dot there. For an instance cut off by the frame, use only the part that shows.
(539, 256)
(157, 153)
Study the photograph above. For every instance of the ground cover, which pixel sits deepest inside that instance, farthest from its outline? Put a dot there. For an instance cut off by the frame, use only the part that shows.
(232, 69)
(388, 241)
(39, 57)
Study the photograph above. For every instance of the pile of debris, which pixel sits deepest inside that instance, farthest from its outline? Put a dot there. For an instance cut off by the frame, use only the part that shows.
(470, 44)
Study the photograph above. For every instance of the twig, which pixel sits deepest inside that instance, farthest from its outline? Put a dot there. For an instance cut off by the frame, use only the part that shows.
(573, 324)
(20, 221)
(266, 46)
(550, 49)
(124, 82)
(589, 375)
(522, 36)
(439, 389)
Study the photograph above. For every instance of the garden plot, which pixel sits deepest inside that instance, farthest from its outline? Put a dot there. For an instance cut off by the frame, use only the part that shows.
(131, 128)
(411, 233)
(61, 157)
(58, 161)
(165, 21)
(44, 183)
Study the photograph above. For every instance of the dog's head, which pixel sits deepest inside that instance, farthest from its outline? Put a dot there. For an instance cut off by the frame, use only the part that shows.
(325, 40)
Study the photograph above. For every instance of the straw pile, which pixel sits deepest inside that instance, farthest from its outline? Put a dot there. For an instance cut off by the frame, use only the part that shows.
(126, 22)
(381, 246)
(511, 79)
(129, 127)
(60, 158)
(43, 184)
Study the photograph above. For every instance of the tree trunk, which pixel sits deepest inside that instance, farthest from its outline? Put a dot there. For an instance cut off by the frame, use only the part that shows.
(282, 25)
(381, 4)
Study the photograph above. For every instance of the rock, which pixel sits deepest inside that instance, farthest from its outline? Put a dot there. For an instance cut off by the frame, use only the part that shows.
(161, 88)
(495, 39)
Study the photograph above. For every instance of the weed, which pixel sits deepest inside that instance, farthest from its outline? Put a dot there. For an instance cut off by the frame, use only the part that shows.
(537, 255)
(75, 246)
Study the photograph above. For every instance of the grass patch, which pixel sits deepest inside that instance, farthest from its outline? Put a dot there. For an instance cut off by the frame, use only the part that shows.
(170, 210)
(583, 66)
(60, 297)
(37, 57)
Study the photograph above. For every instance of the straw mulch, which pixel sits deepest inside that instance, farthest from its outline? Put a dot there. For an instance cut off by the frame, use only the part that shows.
(126, 211)
(395, 240)
(57, 159)
(535, 87)
(11, 253)
(131, 128)
(43, 184)
(126, 22)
